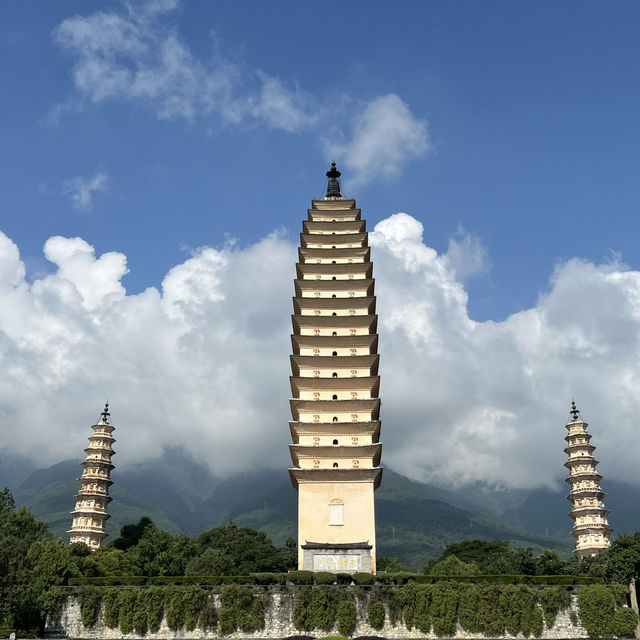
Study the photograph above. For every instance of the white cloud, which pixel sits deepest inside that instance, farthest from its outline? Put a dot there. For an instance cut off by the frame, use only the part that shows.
(138, 56)
(467, 255)
(202, 362)
(385, 137)
(81, 190)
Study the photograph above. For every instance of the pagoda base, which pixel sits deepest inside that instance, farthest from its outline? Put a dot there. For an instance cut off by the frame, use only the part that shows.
(347, 557)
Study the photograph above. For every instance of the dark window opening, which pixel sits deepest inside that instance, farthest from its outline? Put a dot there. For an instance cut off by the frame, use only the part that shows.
(334, 295)
(334, 375)
(334, 314)
(335, 418)
(335, 465)
(335, 397)
(335, 353)
(334, 278)
(335, 442)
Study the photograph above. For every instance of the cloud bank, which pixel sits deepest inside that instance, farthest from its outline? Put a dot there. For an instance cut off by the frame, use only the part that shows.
(203, 360)
(137, 56)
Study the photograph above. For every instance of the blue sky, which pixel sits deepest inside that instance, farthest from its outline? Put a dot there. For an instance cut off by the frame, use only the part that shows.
(531, 110)
(158, 157)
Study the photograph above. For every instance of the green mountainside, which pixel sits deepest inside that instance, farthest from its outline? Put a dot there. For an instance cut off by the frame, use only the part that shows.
(415, 521)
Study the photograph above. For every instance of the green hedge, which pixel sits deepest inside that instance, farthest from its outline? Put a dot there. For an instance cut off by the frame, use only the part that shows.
(323, 577)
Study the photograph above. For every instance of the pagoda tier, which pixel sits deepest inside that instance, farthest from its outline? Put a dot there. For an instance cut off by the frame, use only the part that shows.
(591, 527)
(335, 385)
(321, 433)
(342, 255)
(90, 514)
(334, 306)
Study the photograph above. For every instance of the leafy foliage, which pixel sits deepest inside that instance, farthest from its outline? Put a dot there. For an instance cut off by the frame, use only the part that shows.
(625, 621)
(346, 615)
(89, 605)
(597, 609)
(376, 613)
(453, 566)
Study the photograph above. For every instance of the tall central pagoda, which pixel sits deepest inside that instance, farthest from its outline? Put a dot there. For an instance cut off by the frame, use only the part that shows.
(335, 383)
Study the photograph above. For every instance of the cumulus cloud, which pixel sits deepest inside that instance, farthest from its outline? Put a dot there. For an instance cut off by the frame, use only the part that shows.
(202, 361)
(385, 134)
(81, 190)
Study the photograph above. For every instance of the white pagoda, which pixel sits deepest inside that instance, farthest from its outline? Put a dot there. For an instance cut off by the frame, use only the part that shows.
(335, 383)
(90, 514)
(591, 527)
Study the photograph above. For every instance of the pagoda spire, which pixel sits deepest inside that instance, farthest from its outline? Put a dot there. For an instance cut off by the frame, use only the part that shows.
(335, 402)
(333, 185)
(90, 514)
(590, 527)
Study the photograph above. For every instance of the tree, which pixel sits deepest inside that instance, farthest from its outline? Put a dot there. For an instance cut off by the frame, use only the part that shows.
(212, 562)
(250, 550)
(131, 534)
(452, 566)
(158, 553)
(390, 565)
(549, 563)
(19, 529)
(621, 562)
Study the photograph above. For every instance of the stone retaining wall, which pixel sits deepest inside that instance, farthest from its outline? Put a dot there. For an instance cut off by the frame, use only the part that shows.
(278, 624)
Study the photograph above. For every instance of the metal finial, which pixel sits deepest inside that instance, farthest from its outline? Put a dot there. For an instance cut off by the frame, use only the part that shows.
(574, 410)
(105, 413)
(333, 186)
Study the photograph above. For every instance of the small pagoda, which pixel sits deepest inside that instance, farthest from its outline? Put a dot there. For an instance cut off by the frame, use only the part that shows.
(335, 384)
(90, 514)
(591, 527)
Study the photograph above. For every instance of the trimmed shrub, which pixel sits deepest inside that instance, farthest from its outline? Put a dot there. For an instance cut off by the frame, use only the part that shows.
(300, 577)
(227, 621)
(208, 619)
(126, 609)
(363, 578)
(89, 605)
(302, 609)
(625, 621)
(140, 616)
(444, 608)
(346, 616)
(194, 600)
(597, 608)
(324, 577)
(376, 613)
(174, 607)
(422, 608)
(343, 578)
(111, 607)
(469, 609)
(323, 610)
(241, 609)
(155, 608)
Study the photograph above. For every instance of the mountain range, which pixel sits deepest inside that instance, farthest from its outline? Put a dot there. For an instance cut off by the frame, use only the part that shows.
(415, 521)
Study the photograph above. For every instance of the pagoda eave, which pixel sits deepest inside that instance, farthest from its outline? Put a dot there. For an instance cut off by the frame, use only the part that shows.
(371, 451)
(340, 429)
(335, 476)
